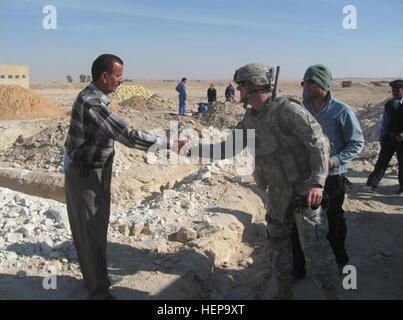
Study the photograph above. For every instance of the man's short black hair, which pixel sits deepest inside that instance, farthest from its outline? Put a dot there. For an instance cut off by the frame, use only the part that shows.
(104, 63)
(184, 79)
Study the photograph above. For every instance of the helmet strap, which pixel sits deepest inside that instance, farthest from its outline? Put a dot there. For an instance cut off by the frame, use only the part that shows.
(246, 98)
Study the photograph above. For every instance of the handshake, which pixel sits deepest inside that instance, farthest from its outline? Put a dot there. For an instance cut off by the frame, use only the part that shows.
(182, 147)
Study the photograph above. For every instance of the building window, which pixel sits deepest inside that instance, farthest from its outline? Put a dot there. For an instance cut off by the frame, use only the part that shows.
(24, 76)
(17, 76)
(2, 76)
(10, 76)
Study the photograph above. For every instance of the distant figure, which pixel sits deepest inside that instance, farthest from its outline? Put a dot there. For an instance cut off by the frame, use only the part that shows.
(230, 93)
(181, 88)
(212, 94)
(391, 137)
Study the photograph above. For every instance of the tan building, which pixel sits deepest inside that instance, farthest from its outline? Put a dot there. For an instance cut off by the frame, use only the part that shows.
(15, 75)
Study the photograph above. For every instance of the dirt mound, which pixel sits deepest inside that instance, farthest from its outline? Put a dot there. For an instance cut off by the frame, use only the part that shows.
(155, 102)
(43, 150)
(17, 103)
(223, 115)
(136, 103)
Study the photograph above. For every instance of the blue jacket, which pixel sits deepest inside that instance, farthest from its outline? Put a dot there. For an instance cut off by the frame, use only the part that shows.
(181, 88)
(341, 126)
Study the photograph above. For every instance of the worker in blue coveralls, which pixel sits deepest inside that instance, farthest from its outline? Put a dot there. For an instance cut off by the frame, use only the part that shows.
(181, 88)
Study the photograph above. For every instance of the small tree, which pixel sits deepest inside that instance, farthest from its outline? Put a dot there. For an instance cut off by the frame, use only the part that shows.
(69, 79)
(83, 77)
(88, 78)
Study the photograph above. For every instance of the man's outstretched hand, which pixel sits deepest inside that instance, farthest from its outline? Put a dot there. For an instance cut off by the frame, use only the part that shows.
(183, 147)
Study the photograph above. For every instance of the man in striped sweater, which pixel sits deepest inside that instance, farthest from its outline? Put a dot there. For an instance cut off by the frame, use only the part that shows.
(90, 148)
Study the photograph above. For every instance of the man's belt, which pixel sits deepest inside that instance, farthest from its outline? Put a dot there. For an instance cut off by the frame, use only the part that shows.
(90, 166)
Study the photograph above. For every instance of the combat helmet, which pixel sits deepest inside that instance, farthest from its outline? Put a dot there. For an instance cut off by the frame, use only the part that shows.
(256, 74)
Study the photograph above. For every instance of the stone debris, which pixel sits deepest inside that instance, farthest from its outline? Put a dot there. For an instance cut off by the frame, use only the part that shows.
(185, 235)
(176, 219)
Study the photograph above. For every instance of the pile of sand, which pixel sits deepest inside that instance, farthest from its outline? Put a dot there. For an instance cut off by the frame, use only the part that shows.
(17, 103)
(223, 115)
(155, 102)
(136, 103)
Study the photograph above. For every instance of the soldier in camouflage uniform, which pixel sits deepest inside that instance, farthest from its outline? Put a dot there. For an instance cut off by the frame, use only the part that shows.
(291, 164)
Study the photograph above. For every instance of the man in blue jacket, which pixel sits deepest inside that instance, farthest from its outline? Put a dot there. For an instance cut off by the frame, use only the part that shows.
(181, 88)
(340, 124)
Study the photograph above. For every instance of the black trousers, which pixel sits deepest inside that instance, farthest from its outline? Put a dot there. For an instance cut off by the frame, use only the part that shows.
(388, 147)
(336, 189)
(88, 195)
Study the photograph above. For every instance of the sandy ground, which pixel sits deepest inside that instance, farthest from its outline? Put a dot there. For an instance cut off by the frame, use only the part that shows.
(374, 224)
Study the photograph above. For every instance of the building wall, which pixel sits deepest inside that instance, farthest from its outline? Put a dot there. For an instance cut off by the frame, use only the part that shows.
(14, 75)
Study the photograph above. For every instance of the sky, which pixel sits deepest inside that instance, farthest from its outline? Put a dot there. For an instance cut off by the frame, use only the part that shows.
(203, 39)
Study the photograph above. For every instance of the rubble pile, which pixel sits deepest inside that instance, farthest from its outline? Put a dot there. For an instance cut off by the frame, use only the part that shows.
(370, 120)
(223, 115)
(32, 231)
(43, 150)
(155, 102)
(35, 232)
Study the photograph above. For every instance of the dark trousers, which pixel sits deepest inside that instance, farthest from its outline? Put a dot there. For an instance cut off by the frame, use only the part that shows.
(88, 206)
(336, 190)
(388, 147)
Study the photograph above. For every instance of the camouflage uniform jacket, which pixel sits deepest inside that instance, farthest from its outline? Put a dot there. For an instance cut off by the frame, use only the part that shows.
(288, 139)
(288, 142)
